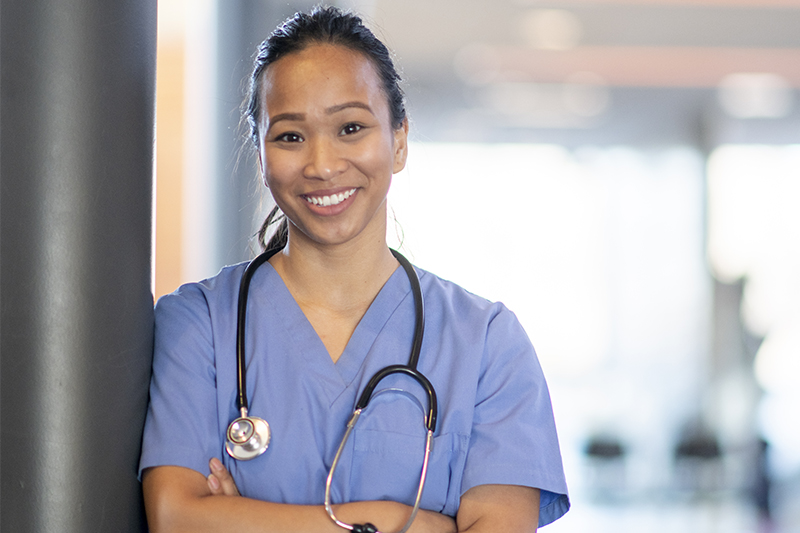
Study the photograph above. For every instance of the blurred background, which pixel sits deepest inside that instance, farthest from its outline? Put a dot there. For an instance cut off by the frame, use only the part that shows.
(624, 175)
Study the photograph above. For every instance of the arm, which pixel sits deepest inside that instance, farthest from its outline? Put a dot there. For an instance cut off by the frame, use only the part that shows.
(499, 509)
(513, 445)
(180, 499)
(491, 508)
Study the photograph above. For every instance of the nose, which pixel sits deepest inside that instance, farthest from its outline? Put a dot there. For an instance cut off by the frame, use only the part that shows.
(325, 161)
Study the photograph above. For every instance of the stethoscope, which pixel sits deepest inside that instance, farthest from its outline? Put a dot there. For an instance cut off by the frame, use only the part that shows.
(249, 436)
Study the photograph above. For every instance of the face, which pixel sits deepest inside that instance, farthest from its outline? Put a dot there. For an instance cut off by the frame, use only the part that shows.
(327, 147)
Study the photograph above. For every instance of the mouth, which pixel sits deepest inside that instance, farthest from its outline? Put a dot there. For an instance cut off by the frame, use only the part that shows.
(332, 199)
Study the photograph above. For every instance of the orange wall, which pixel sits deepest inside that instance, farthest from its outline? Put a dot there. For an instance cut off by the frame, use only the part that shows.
(169, 165)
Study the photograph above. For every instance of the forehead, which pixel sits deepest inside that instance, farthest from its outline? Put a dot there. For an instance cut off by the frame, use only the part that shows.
(321, 76)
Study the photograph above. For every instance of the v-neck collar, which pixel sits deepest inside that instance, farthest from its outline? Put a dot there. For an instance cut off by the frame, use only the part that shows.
(335, 377)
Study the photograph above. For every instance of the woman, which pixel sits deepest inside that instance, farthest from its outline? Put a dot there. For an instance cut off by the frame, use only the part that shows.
(326, 312)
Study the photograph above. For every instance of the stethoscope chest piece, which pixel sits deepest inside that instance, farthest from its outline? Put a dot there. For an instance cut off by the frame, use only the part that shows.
(247, 437)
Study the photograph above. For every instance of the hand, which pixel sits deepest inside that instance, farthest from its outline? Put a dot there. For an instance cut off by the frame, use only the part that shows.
(219, 481)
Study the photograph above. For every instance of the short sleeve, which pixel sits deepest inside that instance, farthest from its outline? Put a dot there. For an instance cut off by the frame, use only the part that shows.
(181, 428)
(513, 439)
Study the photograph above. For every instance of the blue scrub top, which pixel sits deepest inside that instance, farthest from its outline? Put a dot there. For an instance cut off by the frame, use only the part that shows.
(495, 420)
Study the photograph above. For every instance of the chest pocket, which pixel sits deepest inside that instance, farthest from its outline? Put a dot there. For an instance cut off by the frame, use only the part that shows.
(388, 453)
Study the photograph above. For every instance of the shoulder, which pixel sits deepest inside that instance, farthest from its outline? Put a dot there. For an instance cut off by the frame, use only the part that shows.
(439, 291)
(203, 293)
(449, 301)
(483, 332)
(199, 305)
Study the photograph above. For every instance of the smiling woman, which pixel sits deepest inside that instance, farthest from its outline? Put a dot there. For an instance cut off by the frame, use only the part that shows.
(328, 310)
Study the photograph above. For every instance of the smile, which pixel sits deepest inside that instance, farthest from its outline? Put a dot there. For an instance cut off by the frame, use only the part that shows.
(333, 199)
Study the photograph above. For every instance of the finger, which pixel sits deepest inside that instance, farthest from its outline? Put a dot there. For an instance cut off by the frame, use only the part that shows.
(214, 485)
(221, 475)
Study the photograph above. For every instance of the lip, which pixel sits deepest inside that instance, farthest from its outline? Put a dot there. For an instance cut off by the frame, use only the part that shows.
(323, 196)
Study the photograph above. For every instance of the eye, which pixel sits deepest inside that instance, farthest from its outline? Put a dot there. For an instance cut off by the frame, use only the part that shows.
(289, 138)
(350, 129)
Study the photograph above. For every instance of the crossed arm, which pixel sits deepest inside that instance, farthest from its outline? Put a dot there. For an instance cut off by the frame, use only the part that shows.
(181, 500)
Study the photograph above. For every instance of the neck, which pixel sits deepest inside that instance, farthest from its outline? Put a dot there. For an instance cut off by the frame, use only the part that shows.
(341, 277)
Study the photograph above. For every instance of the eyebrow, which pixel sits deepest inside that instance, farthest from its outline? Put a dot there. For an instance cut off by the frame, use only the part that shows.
(342, 107)
(285, 116)
(329, 111)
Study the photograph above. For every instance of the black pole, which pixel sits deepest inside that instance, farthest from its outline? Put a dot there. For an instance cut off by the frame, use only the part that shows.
(77, 91)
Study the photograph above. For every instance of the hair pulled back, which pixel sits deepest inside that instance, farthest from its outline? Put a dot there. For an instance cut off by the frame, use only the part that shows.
(323, 25)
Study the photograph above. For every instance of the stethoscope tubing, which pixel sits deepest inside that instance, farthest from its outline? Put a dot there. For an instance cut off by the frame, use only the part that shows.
(329, 480)
(419, 309)
(239, 450)
(241, 327)
(409, 369)
(366, 394)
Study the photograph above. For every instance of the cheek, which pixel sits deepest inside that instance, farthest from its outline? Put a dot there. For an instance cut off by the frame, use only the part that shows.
(377, 159)
(276, 169)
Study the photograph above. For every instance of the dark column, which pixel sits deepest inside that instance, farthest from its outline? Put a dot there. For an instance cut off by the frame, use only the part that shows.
(76, 167)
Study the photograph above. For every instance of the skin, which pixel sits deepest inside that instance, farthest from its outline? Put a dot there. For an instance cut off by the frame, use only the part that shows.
(326, 129)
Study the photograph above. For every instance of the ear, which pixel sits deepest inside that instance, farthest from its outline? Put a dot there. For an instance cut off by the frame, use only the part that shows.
(400, 146)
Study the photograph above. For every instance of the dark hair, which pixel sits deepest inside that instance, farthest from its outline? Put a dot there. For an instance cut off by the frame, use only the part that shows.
(323, 25)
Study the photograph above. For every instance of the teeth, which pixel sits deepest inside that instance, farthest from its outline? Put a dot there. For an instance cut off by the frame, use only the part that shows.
(334, 199)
